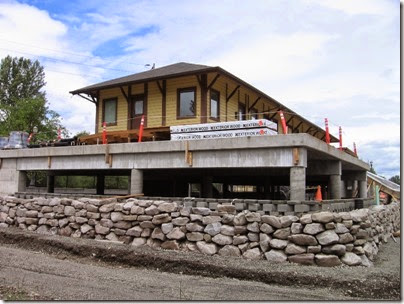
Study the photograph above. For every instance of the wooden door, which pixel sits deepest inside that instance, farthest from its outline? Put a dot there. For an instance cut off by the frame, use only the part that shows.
(138, 108)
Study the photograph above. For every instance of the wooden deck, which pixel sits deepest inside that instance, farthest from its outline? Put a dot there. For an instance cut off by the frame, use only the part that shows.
(125, 136)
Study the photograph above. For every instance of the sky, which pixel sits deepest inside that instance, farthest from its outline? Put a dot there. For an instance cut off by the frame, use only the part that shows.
(338, 59)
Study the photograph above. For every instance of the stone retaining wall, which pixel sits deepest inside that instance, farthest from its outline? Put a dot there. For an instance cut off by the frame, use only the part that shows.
(322, 238)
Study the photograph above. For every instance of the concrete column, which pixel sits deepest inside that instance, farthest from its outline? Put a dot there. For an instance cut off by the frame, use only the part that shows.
(343, 189)
(136, 181)
(298, 183)
(100, 184)
(22, 181)
(363, 189)
(354, 187)
(50, 183)
(207, 187)
(334, 186)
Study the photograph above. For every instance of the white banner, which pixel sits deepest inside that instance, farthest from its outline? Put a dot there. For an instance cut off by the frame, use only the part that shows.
(223, 134)
(219, 126)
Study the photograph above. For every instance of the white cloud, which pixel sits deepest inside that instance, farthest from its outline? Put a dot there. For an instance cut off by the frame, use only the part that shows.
(357, 7)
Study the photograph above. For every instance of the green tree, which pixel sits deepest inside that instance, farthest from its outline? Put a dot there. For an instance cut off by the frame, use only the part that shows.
(395, 179)
(23, 104)
(82, 133)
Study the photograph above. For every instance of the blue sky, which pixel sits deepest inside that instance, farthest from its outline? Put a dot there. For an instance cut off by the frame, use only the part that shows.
(338, 59)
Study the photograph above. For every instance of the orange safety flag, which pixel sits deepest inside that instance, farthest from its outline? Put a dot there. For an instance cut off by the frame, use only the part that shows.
(327, 132)
(141, 129)
(104, 133)
(284, 126)
(340, 138)
(354, 149)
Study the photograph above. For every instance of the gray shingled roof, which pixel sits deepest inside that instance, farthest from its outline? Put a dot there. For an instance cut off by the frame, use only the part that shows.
(172, 70)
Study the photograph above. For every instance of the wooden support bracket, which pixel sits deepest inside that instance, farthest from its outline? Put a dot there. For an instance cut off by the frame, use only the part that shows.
(296, 156)
(188, 154)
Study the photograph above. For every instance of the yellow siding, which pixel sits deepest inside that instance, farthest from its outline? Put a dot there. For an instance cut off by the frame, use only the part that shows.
(154, 106)
(122, 109)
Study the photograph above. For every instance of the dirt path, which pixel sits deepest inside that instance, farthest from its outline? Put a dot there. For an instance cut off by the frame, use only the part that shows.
(70, 269)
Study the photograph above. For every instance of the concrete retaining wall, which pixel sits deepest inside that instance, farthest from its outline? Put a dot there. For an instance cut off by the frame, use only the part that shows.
(319, 238)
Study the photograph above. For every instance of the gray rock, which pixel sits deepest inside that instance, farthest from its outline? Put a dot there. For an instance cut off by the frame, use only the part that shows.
(345, 238)
(145, 203)
(180, 221)
(167, 207)
(253, 217)
(313, 228)
(266, 228)
(296, 228)
(359, 215)
(64, 222)
(128, 205)
(226, 208)
(161, 218)
(306, 219)
(314, 249)
(239, 219)
(243, 247)
(303, 239)
(287, 220)
(130, 218)
(238, 240)
(195, 217)
(76, 204)
(138, 242)
(295, 249)
(222, 239)
(341, 228)
(142, 217)
(345, 216)
(116, 216)
(365, 261)
(252, 254)
(227, 218)
(337, 249)
(176, 234)
(66, 231)
(194, 236)
(229, 250)
(303, 259)
(135, 231)
(146, 232)
(206, 220)
(330, 225)
(69, 210)
(85, 228)
(322, 217)
(105, 222)
(227, 230)
(358, 250)
(101, 230)
(362, 234)
(137, 210)
(76, 234)
(31, 213)
(33, 221)
(240, 230)
(171, 245)
(147, 224)
(327, 237)
(152, 210)
(282, 233)
(167, 227)
(201, 210)
(327, 260)
(112, 237)
(351, 259)
(253, 227)
(369, 251)
(105, 208)
(276, 256)
(253, 237)
(278, 244)
(272, 220)
(264, 242)
(206, 248)
(92, 208)
(194, 227)
(122, 225)
(213, 229)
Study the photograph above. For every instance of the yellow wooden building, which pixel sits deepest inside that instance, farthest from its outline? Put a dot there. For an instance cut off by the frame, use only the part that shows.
(180, 94)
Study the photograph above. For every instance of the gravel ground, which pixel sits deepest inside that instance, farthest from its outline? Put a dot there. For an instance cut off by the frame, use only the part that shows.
(55, 267)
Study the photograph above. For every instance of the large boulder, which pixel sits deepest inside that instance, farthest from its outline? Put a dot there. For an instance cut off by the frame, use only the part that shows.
(272, 220)
(276, 256)
(351, 259)
(222, 239)
(206, 248)
(229, 250)
(327, 237)
(303, 239)
(313, 228)
(322, 217)
(295, 249)
(327, 260)
(252, 254)
(304, 259)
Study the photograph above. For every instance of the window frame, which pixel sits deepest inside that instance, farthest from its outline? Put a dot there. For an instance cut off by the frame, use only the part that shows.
(116, 111)
(218, 105)
(181, 90)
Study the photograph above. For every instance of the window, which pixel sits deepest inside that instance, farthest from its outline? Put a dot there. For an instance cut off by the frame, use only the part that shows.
(254, 114)
(186, 103)
(214, 105)
(241, 112)
(109, 113)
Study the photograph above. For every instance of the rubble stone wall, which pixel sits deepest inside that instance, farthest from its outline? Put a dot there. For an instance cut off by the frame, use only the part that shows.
(321, 238)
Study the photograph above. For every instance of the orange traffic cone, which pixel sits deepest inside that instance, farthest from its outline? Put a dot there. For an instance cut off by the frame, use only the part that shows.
(318, 197)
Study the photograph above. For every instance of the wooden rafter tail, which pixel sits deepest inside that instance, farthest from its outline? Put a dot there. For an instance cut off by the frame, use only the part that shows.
(85, 97)
(232, 93)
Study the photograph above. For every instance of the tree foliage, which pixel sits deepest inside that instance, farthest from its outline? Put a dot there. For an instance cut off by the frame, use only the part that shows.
(395, 179)
(23, 103)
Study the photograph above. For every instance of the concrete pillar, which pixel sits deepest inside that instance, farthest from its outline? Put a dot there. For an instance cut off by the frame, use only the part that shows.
(207, 187)
(298, 183)
(354, 188)
(343, 189)
(22, 181)
(136, 181)
(334, 186)
(363, 189)
(50, 183)
(100, 184)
